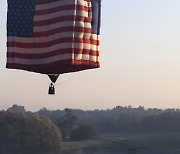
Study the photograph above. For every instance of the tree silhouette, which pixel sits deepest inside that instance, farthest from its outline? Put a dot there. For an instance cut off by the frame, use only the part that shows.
(66, 123)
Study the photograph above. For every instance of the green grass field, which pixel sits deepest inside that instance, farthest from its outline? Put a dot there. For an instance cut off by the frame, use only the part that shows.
(126, 141)
(91, 143)
(71, 145)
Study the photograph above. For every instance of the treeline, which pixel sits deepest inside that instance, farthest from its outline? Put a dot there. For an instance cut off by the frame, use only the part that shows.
(23, 132)
(124, 119)
(44, 130)
(27, 133)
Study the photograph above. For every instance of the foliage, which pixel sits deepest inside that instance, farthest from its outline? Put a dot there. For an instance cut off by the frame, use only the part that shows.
(125, 119)
(83, 132)
(17, 108)
(66, 123)
(22, 133)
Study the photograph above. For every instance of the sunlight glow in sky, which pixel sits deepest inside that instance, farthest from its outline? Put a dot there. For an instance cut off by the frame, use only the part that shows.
(140, 63)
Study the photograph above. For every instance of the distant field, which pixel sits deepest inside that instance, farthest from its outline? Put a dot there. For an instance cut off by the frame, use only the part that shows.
(71, 145)
(161, 140)
(91, 143)
(168, 140)
(121, 143)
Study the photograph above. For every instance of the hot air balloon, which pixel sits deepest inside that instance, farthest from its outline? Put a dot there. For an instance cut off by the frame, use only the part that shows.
(53, 36)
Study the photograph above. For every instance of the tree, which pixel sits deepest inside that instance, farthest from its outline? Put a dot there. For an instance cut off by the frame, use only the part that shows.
(66, 123)
(17, 108)
(22, 133)
(83, 132)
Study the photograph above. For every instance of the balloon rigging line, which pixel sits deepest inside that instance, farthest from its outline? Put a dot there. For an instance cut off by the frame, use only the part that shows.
(64, 82)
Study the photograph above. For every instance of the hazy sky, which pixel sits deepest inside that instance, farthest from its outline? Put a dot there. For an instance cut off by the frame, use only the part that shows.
(140, 63)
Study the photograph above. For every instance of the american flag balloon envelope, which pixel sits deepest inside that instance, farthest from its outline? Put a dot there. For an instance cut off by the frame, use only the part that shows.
(53, 36)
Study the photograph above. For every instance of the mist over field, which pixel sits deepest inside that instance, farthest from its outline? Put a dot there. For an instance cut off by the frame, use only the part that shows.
(124, 130)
